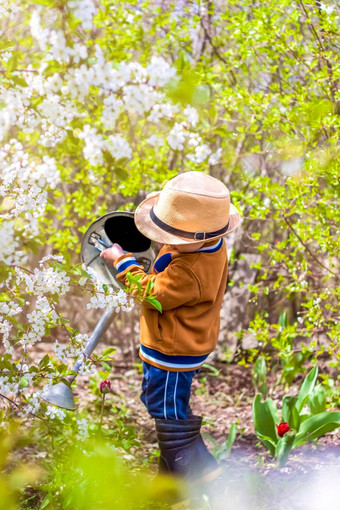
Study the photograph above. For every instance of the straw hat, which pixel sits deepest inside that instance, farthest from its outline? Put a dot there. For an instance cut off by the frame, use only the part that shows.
(191, 208)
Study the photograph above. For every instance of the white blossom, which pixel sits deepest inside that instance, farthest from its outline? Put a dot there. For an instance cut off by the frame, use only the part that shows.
(155, 141)
(118, 300)
(327, 8)
(10, 253)
(55, 412)
(33, 404)
(111, 110)
(94, 145)
(177, 136)
(37, 321)
(139, 98)
(9, 308)
(7, 387)
(38, 32)
(71, 350)
(86, 368)
(79, 51)
(46, 280)
(215, 157)
(159, 71)
(5, 55)
(201, 153)
(194, 139)
(118, 147)
(191, 114)
(5, 329)
(84, 10)
(58, 258)
(58, 47)
(159, 111)
(83, 429)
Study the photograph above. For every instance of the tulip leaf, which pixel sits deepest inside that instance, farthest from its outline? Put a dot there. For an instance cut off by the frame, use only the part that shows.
(290, 413)
(265, 416)
(268, 443)
(231, 437)
(317, 426)
(284, 447)
(317, 400)
(306, 389)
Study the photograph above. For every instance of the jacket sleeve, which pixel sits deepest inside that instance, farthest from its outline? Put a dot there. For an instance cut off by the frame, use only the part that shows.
(177, 285)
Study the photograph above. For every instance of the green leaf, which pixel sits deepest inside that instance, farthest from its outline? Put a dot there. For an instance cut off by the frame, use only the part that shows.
(106, 366)
(265, 417)
(44, 361)
(153, 301)
(4, 272)
(48, 3)
(283, 320)
(24, 382)
(46, 501)
(268, 443)
(290, 413)
(129, 277)
(108, 351)
(231, 437)
(317, 400)
(214, 370)
(317, 426)
(306, 389)
(149, 286)
(283, 448)
(259, 375)
(210, 438)
(5, 297)
(19, 81)
(213, 114)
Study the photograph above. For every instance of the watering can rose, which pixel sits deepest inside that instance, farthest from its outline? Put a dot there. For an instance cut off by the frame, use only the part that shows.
(282, 428)
(105, 387)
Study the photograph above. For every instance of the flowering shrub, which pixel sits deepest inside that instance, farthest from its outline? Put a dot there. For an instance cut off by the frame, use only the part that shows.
(298, 426)
(73, 117)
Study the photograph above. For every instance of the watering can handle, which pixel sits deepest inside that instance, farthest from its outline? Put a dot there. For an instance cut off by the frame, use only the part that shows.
(102, 243)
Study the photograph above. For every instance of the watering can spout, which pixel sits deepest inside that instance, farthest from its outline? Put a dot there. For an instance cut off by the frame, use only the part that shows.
(59, 395)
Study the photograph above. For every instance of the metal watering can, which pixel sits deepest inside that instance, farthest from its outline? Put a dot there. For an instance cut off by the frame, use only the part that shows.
(114, 227)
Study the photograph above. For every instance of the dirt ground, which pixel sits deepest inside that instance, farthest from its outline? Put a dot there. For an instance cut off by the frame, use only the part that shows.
(221, 400)
(251, 478)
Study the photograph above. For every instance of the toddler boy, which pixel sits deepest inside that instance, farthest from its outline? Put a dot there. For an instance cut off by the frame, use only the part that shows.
(189, 217)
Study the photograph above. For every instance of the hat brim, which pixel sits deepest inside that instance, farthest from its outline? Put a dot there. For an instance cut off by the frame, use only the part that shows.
(147, 227)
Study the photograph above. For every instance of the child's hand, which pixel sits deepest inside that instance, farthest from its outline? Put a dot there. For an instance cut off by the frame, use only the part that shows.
(112, 254)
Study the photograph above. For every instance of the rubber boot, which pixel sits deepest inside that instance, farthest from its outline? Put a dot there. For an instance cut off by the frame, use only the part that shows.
(183, 452)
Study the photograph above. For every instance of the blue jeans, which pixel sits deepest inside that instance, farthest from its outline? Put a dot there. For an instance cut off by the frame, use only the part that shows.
(166, 394)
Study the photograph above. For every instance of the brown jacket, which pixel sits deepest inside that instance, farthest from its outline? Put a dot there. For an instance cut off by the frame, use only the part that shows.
(190, 288)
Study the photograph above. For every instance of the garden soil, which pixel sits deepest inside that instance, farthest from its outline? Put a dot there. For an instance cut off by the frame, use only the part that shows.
(224, 399)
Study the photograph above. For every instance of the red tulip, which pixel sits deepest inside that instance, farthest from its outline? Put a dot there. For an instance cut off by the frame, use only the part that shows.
(105, 387)
(282, 429)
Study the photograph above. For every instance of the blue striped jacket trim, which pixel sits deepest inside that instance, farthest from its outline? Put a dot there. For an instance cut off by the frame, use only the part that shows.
(168, 361)
(213, 248)
(125, 263)
(163, 261)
